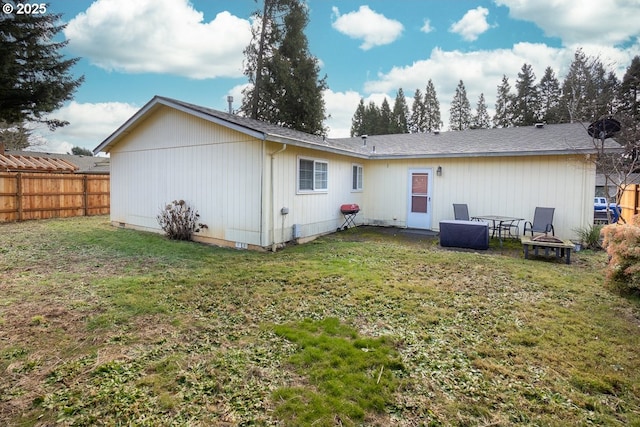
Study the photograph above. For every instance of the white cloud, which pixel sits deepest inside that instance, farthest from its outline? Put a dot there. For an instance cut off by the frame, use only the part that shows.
(159, 36)
(427, 28)
(605, 22)
(373, 28)
(89, 124)
(472, 24)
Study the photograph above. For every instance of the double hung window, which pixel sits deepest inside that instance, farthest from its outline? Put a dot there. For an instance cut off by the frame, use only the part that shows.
(357, 177)
(313, 175)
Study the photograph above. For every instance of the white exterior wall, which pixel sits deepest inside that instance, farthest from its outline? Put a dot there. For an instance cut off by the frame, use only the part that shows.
(509, 186)
(319, 212)
(173, 155)
(226, 176)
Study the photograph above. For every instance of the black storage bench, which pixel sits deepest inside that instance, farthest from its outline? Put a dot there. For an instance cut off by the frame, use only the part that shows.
(464, 234)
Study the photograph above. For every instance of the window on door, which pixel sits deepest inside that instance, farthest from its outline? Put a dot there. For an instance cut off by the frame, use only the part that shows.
(419, 187)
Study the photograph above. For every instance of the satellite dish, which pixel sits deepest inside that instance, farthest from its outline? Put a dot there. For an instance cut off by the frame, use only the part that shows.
(603, 129)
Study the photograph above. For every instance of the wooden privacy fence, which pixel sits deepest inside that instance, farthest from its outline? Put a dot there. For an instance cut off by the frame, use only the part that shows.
(630, 202)
(25, 196)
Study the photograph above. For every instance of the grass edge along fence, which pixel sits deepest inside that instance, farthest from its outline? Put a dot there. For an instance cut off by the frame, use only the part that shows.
(25, 196)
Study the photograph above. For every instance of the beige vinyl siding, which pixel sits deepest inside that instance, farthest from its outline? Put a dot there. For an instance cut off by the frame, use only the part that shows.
(510, 186)
(172, 155)
(316, 212)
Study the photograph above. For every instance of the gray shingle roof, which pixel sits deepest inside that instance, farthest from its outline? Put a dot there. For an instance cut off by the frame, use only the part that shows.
(517, 141)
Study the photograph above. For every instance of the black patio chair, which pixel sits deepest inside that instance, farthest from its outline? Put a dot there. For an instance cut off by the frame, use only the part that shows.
(542, 222)
(461, 212)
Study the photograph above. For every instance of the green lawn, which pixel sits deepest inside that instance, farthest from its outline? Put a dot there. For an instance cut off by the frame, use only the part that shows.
(105, 326)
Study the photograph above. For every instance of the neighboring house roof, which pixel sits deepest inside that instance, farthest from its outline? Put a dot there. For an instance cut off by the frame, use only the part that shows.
(15, 163)
(615, 179)
(570, 138)
(53, 162)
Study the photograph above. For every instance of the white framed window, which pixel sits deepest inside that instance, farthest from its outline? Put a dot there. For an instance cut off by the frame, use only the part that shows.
(313, 175)
(357, 174)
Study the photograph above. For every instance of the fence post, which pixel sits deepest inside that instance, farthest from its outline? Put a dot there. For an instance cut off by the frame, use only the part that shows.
(85, 196)
(19, 194)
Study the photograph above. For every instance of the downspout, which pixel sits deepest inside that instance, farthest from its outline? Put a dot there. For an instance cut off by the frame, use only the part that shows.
(263, 150)
(273, 203)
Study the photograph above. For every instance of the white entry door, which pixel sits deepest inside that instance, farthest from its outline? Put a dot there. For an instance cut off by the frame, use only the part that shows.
(419, 203)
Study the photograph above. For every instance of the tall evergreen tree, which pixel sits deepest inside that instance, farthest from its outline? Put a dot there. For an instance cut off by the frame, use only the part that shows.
(286, 89)
(503, 117)
(358, 120)
(629, 113)
(481, 119)
(549, 93)
(371, 119)
(605, 87)
(400, 114)
(417, 120)
(577, 90)
(384, 121)
(433, 120)
(35, 78)
(629, 92)
(588, 90)
(527, 105)
(265, 38)
(460, 111)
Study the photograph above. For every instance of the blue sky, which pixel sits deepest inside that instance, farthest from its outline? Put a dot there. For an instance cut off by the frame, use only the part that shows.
(192, 51)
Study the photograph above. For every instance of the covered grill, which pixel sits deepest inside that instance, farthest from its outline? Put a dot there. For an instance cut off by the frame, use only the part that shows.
(349, 211)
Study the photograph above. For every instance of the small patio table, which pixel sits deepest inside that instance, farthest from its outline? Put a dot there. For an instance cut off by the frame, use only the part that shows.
(501, 223)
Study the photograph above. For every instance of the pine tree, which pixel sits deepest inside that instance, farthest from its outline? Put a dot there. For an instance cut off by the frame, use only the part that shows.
(481, 119)
(357, 122)
(35, 79)
(286, 89)
(371, 119)
(604, 87)
(504, 105)
(629, 91)
(433, 120)
(629, 113)
(460, 111)
(400, 114)
(527, 105)
(417, 120)
(577, 89)
(384, 121)
(549, 93)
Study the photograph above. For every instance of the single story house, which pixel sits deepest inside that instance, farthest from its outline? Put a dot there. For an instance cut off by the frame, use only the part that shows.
(258, 185)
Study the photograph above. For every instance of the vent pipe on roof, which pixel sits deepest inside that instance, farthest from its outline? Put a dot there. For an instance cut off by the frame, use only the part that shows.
(364, 140)
(230, 101)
